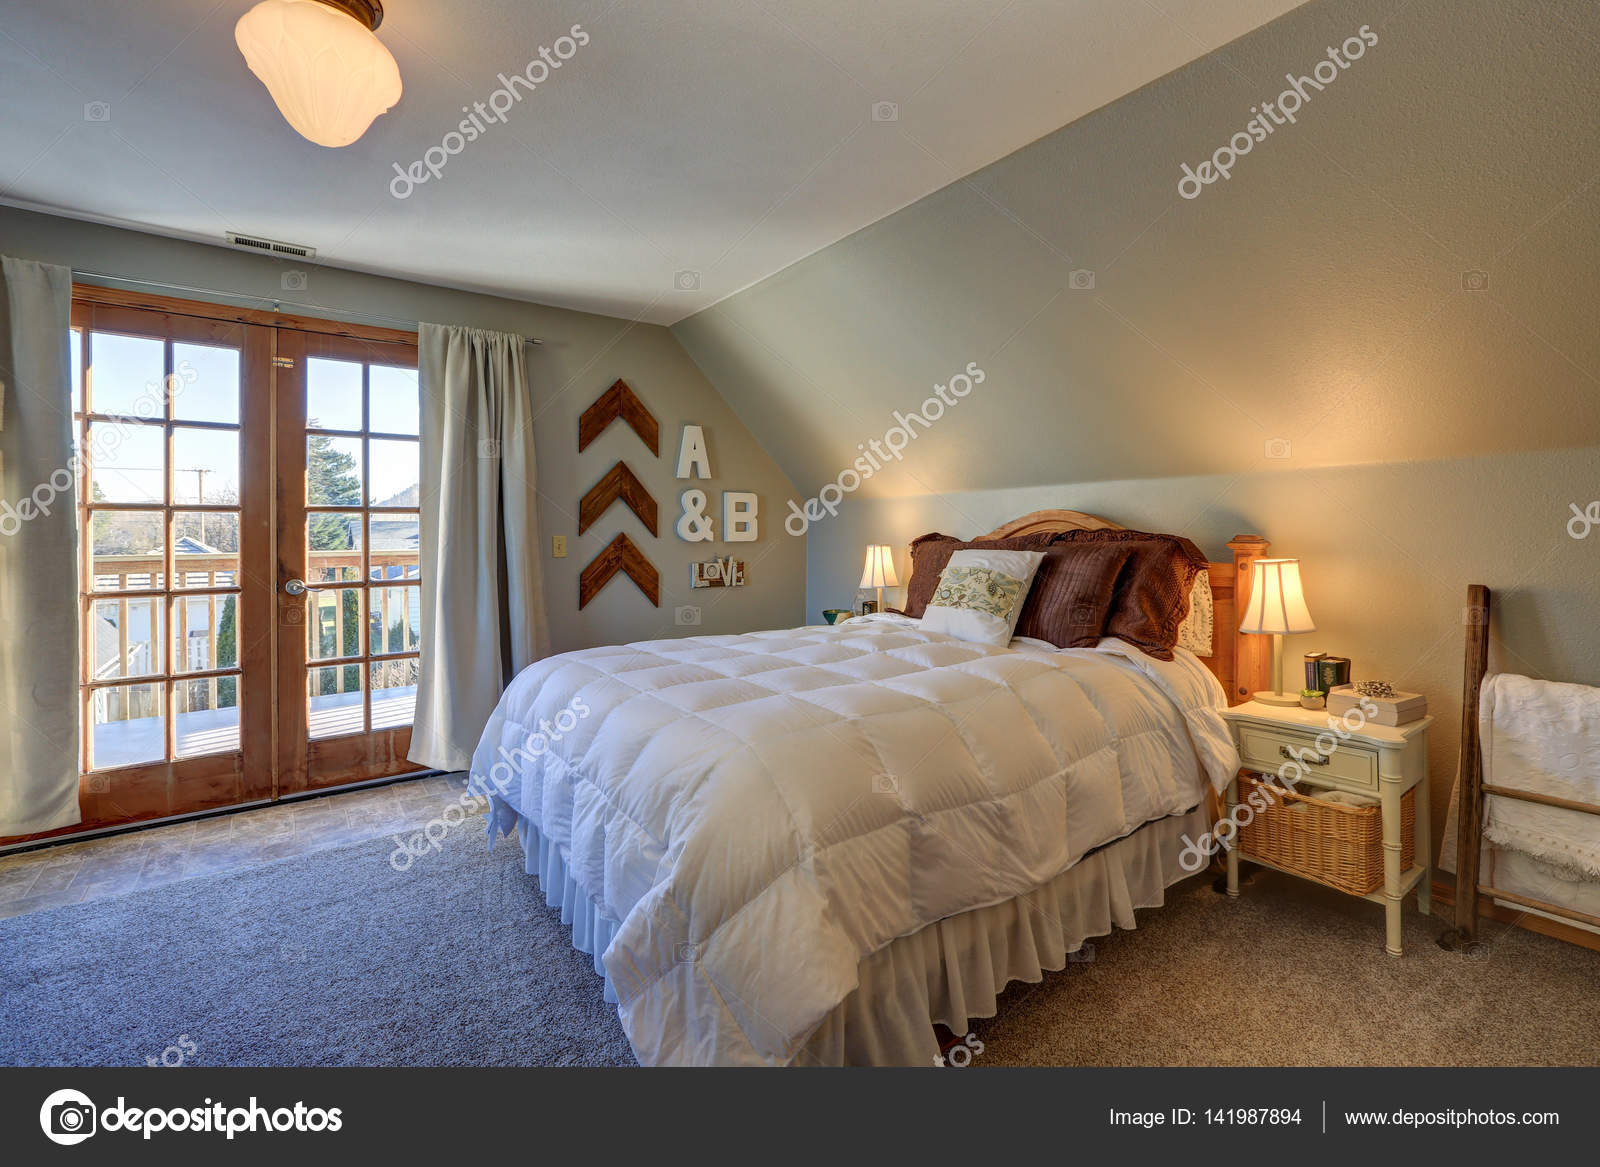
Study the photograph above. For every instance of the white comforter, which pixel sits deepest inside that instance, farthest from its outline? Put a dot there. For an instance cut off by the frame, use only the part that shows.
(758, 813)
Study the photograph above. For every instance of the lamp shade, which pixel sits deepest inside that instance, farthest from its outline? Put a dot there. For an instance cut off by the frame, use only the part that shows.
(879, 572)
(1277, 602)
(327, 72)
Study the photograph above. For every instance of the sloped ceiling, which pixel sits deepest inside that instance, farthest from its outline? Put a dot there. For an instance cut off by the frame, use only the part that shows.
(1409, 271)
(688, 149)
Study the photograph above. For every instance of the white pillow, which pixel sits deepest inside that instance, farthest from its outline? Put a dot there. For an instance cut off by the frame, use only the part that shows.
(980, 595)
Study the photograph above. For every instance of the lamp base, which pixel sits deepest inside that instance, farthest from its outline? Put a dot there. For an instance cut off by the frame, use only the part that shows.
(1270, 698)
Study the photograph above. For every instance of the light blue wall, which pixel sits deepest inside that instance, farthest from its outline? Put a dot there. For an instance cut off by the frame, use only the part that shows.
(1300, 352)
(1386, 553)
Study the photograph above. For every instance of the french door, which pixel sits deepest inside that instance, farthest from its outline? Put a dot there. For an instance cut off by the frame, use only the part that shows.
(350, 599)
(249, 600)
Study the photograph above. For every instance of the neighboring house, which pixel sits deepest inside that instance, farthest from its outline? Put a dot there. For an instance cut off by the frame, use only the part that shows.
(123, 702)
(108, 660)
(188, 545)
(393, 534)
(390, 534)
(125, 645)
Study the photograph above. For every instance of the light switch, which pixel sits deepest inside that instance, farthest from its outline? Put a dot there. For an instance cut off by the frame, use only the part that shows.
(558, 546)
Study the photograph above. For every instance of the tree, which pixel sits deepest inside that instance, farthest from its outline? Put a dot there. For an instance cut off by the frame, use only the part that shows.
(123, 532)
(334, 479)
(214, 530)
(228, 650)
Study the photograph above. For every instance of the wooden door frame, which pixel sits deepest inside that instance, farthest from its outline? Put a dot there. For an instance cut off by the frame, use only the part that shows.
(208, 310)
(144, 792)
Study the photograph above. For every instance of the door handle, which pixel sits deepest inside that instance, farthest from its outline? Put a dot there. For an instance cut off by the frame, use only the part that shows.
(299, 587)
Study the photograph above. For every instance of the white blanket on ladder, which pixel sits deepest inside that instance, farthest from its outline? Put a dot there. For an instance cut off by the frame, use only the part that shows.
(1542, 737)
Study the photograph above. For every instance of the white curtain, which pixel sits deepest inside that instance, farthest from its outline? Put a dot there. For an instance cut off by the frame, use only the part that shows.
(38, 553)
(482, 580)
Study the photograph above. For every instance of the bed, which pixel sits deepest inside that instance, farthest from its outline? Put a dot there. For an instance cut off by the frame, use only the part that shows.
(806, 847)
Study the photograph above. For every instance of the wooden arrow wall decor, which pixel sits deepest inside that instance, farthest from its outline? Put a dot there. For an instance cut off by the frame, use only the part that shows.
(620, 555)
(619, 401)
(619, 482)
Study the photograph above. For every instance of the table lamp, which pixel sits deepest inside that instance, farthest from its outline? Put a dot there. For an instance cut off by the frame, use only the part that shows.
(879, 572)
(1277, 607)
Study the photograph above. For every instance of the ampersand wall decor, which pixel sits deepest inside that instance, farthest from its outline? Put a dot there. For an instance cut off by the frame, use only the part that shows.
(695, 526)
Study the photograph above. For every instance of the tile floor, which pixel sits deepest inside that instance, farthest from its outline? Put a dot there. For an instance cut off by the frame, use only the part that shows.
(71, 873)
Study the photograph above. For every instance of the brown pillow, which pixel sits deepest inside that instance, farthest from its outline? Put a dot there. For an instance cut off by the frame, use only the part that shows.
(1152, 593)
(931, 553)
(1070, 601)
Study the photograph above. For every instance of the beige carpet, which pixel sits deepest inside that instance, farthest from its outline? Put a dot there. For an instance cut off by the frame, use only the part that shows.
(457, 961)
(1294, 974)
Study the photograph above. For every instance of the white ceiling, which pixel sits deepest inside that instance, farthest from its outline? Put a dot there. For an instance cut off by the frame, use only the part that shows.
(727, 138)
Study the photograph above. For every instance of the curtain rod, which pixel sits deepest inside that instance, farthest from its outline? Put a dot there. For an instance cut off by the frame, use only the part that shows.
(276, 302)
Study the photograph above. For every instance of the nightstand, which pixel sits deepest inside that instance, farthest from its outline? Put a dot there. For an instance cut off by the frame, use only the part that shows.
(1376, 760)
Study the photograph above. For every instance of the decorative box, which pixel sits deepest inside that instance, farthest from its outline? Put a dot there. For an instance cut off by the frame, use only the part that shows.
(1396, 710)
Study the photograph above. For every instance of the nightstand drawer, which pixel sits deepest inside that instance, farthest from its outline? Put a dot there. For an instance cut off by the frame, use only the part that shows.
(1349, 766)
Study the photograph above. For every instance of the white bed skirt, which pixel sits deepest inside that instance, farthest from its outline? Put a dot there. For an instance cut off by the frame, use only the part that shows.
(953, 970)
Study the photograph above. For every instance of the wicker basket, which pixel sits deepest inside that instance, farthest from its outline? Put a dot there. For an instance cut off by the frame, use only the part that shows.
(1341, 846)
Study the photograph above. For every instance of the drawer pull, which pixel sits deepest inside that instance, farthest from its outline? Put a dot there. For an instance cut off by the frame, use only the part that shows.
(1308, 758)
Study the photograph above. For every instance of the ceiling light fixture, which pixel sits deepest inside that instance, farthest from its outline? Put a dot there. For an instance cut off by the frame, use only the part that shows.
(329, 75)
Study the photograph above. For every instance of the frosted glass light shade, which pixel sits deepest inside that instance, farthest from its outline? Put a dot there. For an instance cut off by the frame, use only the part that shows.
(879, 571)
(327, 72)
(1277, 601)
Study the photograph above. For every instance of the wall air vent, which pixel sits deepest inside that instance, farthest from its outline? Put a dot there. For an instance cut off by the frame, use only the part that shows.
(271, 246)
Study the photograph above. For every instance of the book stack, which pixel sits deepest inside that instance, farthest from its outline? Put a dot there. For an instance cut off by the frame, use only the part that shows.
(1394, 710)
(1325, 672)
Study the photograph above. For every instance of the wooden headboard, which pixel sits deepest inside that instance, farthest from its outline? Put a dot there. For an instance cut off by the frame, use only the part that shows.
(1241, 662)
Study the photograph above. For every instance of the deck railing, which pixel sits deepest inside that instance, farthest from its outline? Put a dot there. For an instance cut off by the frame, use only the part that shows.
(210, 575)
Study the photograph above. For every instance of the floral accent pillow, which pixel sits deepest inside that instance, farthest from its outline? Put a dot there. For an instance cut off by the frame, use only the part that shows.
(980, 595)
(983, 589)
(1196, 632)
